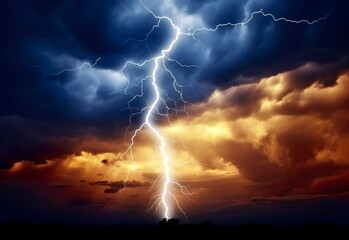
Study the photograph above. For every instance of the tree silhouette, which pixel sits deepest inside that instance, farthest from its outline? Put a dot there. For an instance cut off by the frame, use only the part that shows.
(169, 222)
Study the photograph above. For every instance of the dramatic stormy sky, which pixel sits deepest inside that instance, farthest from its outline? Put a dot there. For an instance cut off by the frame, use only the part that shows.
(265, 140)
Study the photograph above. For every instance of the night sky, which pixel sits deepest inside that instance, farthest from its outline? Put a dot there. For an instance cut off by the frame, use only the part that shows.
(261, 132)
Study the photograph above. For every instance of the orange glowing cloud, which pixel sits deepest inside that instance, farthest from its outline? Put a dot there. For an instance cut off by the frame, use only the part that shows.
(271, 138)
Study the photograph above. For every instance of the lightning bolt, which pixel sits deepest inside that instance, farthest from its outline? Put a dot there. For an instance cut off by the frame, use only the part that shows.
(79, 67)
(194, 32)
(158, 60)
(151, 110)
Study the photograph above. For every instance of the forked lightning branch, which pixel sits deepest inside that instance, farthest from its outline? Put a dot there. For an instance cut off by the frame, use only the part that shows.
(151, 112)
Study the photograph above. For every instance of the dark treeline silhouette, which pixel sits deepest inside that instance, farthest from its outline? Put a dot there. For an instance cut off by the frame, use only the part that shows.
(172, 229)
(172, 222)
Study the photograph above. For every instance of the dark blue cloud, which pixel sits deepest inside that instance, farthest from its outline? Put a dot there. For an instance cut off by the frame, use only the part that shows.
(263, 47)
(53, 35)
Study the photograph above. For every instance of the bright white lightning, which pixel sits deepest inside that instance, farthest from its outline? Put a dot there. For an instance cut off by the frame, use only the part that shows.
(193, 32)
(165, 194)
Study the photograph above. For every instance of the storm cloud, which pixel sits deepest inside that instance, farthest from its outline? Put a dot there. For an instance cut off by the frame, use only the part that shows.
(270, 98)
(42, 38)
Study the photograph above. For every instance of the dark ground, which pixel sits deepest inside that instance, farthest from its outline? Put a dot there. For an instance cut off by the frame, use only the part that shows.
(313, 230)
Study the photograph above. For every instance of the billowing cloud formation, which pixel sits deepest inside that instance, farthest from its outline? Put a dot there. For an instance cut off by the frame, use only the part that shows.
(271, 97)
(283, 140)
(296, 135)
(51, 36)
